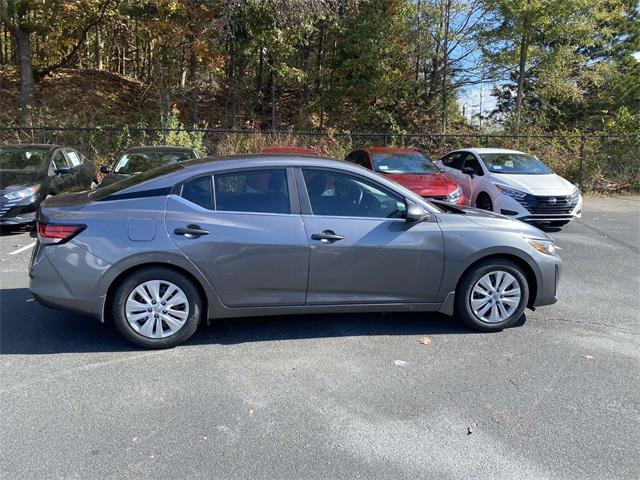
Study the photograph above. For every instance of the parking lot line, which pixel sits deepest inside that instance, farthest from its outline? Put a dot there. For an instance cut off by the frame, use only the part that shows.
(22, 249)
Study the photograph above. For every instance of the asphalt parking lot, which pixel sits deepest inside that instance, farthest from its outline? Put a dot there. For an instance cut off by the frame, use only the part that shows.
(340, 396)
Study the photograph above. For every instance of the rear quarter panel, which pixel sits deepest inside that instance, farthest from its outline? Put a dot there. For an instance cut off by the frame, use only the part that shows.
(125, 234)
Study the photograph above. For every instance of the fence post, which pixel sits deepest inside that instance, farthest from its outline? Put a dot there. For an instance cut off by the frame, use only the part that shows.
(486, 141)
(581, 167)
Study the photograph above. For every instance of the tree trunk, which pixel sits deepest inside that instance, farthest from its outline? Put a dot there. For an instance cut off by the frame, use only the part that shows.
(524, 46)
(445, 60)
(23, 52)
(273, 101)
(98, 52)
(193, 65)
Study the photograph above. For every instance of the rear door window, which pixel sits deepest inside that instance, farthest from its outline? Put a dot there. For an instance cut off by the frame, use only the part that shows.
(256, 191)
(75, 159)
(199, 191)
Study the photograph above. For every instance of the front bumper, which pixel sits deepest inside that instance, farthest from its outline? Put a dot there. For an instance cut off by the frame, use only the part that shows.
(17, 212)
(550, 269)
(512, 208)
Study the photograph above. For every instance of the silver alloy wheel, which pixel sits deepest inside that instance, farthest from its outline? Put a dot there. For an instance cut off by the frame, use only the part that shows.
(157, 309)
(495, 296)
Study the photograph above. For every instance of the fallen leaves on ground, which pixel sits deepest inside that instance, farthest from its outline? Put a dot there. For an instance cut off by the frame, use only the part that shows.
(425, 340)
(588, 357)
(471, 428)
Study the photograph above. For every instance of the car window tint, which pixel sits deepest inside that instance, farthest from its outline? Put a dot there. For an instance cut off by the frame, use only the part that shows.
(59, 161)
(472, 162)
(341, 194)
(453, 160)
(260, 191)
(75, 159)
(199, 191)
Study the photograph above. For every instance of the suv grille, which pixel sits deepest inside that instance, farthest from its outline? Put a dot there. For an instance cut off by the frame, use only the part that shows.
(549, 205)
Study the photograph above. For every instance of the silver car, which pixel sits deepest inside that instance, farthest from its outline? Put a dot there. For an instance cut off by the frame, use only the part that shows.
(161, 252)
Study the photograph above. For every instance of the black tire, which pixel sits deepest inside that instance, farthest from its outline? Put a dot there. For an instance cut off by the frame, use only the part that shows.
(125, 288)
(484, 202)
(463, 309)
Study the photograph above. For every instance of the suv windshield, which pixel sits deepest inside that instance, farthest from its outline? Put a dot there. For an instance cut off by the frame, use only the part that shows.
(132, 163)
(403, 163)
(23, 158)
(514, 163)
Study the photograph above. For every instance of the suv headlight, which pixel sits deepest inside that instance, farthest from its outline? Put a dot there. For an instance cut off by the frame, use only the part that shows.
(22, 193)
(543, 245)
(511, 192)
(454, 197)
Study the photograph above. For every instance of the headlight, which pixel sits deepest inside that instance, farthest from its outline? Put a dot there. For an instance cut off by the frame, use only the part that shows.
(454, 197)
(511, 192)
(22, 193)
(543, 245)
(575, 195)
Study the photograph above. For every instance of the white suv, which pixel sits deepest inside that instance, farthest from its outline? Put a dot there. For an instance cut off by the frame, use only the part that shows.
(514, 184)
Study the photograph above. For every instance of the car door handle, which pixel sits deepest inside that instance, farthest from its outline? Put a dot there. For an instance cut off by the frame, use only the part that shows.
(328, 236)
(191, 231)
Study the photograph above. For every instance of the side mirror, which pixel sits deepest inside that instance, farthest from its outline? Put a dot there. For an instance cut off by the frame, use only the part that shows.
(415, 213)
(105, 169)
(63, 170)
(469, 171)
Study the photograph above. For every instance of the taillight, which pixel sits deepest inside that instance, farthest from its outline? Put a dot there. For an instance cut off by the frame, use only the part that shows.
(51, 233)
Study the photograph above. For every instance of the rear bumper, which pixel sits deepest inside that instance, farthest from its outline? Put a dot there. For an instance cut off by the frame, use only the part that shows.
(66, 276)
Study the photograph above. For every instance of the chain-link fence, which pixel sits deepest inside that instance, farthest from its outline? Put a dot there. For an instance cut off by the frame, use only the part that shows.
(595, 161)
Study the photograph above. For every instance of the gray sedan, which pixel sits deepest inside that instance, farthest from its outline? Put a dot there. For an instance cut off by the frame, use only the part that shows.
(161, 252)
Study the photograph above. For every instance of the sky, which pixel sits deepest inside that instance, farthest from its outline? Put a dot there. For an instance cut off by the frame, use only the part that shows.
(469, 98)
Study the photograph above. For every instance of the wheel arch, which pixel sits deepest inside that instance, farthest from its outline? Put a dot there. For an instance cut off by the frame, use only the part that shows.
(118, 272)
(483, 191)
(527, 269)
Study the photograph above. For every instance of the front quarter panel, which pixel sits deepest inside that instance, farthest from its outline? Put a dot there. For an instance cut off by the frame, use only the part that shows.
(466, 242)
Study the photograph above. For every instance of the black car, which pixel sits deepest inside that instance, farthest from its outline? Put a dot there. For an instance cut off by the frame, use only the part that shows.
(140, 159)
(30, 173)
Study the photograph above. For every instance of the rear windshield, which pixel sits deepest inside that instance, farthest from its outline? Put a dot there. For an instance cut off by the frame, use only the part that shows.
(128, 182)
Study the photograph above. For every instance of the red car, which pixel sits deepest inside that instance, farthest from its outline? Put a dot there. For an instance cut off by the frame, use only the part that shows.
(411, 169)
(296, 150)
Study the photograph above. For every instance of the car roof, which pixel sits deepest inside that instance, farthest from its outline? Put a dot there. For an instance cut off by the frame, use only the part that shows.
(259, 160)
(480, 151)
(158, 148)
(389, 150)
(302, 150)
(42, 146)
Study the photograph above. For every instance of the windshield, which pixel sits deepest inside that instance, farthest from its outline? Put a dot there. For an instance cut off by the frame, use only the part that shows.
(23, 158)
(403, 163)
(125, 183)
(514, 163)
(132, 163)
